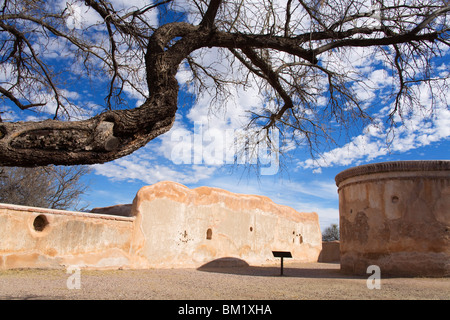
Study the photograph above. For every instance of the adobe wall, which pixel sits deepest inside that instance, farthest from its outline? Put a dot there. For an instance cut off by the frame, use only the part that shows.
(396, 215)
(330, 252)
(170, 226)
(44, 238)
(189, 228)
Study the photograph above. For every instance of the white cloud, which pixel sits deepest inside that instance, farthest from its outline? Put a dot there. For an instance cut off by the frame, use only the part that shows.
(419, 128)
(149, 167)
(230, 109)
(361, 147)
(80, 16)
(150, 172)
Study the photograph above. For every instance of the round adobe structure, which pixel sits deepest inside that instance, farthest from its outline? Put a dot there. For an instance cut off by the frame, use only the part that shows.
(396, 215)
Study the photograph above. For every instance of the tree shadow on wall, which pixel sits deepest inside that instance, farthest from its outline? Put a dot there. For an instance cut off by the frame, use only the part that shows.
(230, 265)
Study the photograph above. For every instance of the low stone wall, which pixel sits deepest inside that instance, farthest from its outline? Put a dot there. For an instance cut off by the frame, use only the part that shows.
(396, 215)
(44, 238)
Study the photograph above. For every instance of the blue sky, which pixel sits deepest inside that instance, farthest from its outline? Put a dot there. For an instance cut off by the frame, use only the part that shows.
(296, 180)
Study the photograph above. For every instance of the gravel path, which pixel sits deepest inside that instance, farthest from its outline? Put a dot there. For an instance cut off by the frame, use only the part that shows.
(300, 281)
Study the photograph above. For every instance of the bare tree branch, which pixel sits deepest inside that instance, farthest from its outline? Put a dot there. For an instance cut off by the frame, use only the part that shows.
(17, 102)
(210, 14)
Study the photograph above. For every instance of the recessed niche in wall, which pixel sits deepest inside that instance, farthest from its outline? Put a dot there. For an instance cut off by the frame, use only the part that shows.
(209, 234)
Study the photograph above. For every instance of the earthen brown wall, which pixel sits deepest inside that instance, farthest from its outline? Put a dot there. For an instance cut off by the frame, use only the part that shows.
(44, 238)
(190, 227)
(396, 215)
(330, 252)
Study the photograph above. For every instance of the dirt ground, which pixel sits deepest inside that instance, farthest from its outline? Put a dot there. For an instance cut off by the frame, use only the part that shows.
(300, 281)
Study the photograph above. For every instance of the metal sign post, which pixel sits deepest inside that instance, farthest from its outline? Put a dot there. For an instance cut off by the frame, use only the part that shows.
(282, 254)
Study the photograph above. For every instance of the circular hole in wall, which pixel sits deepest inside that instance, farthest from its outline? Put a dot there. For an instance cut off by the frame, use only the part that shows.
(251, 229)
(40, 222)
(394, 199)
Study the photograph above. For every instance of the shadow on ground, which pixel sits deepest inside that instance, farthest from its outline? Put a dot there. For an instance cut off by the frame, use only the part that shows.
(238, 266)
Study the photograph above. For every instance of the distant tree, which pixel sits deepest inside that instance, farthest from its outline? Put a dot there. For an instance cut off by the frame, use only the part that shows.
(331, 233)
(47, 187)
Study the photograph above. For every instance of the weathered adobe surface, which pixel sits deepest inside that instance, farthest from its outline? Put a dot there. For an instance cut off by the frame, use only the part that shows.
(169, 225)
(178, 226)
(45, 238)
(208, 195)
(396, 215)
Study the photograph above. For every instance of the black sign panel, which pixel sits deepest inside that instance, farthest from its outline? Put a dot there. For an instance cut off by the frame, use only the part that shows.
(282, 254)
